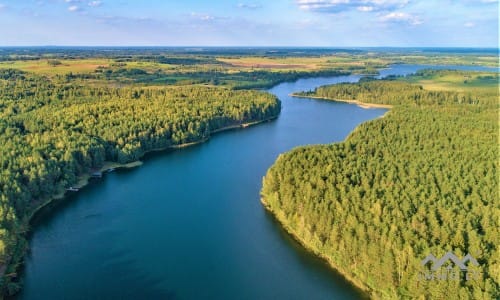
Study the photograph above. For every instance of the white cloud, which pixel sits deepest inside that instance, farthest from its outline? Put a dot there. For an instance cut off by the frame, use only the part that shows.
(365, 8)
(401, 17)
(469, 24)
(334, 6)
(74, 8)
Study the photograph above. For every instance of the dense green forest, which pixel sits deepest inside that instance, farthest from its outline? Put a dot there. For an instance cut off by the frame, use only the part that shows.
(253, 79)
(422, 179)
(53, 130)
(393, 93)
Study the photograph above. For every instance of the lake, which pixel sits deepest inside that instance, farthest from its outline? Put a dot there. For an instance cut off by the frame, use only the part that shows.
(189, 224)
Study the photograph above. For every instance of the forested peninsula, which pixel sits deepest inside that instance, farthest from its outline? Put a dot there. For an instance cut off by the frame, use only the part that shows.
(54, 130)
(421, 180)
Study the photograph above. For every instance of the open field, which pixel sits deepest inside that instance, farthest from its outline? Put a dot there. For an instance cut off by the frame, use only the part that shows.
(444, 59)
(234, 72)
(216, 66)
(44, 66)
(457, 81)
(341, 61)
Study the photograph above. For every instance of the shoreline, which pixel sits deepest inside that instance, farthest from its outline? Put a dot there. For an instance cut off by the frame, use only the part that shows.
(358, 103)
(348, 277)
(358, 284)
(17, 258)
(83, 180)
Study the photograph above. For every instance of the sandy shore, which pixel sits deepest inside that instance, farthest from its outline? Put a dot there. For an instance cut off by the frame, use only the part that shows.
(358, 103)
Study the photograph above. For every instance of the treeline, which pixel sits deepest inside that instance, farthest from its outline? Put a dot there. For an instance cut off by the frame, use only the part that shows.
(421, 180)
(144, 53)
(253, 79)
(196, 74)
(51, 132)
(393, 93)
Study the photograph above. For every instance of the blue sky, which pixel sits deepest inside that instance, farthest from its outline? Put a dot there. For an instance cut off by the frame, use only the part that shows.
(334, 23)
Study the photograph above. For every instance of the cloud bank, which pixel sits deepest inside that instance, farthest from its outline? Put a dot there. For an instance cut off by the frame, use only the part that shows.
(336, 6)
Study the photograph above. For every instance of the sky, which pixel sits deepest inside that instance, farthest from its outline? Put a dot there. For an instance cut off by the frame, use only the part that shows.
(312, 23)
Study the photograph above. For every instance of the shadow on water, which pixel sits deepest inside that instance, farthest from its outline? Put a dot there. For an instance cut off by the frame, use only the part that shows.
(45, 214)
(309, 259)
(128, 281)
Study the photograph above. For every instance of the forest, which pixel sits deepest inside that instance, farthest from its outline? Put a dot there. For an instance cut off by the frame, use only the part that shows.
(422, 179)
(53, 130)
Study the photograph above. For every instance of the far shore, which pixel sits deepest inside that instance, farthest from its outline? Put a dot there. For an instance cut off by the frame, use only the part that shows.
(83, 179)
(358, 103)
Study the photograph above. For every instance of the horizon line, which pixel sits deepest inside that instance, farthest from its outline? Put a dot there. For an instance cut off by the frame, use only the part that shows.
(247, 46)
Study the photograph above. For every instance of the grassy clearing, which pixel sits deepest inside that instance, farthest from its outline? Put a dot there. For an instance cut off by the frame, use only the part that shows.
(291, 63)
(458, 81)
(44, 67)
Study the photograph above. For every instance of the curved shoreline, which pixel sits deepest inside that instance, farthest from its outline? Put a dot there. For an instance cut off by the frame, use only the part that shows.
(282, 221)
(17, 259)
(83, 180)
(358, 103)
(310, 248)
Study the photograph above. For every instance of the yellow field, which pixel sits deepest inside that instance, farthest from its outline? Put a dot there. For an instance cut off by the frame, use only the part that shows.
(43, 67)
(301, 63)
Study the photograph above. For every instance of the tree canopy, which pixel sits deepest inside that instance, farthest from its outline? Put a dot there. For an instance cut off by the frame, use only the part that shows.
(422, 179)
